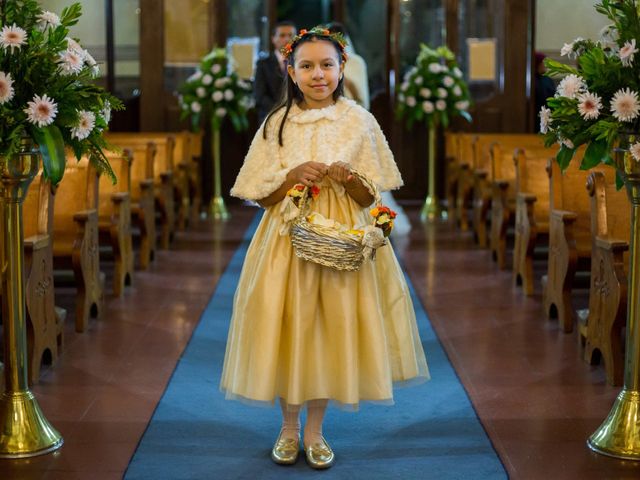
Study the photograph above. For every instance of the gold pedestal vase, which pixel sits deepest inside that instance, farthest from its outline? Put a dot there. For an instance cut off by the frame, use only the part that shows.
(430, 209)
(24, 430)
(619, 434)
(217, 208)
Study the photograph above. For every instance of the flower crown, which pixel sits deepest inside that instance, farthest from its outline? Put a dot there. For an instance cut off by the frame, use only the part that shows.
(318, 32)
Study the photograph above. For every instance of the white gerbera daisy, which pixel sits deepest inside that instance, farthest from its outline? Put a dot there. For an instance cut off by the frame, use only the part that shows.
(635, 151)
(442, 93)
(217, 96)
(411, 101)
(12, 37)
(427, 106)
(216, 68)
(462, 105)
(457, 91)
(41, 111)
(545, 119)
(71, 62)
(48, 19)
(86, 122)
(434, 68)
(448, 81)
(207, 79)
(589, 105)
(567, 49)
(221, 112)
(6, 87)
(624, 105)
(195, 107)
(441, 105)
(571, 86)
(73, 45)
(201, 92)
(418, 80)
(627, 52)
(425, 93)
(228, 95)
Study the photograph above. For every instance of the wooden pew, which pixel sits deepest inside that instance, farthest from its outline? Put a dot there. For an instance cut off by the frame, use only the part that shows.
(570, 240)
(163, 171)
(183, 165)
(503, 197)
(611, 225)
(462, 180)
(114, 219)
(486, 147)
(143, 199)
(195, 176)
(532, 210)
(45, 321)
(75, 237)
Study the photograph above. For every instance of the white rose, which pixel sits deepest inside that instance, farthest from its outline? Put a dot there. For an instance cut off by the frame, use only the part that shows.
(418, 80)
(404, 86)
(442, 93)
(221, 112)
(425, 93)
(434, 68)
(457, 72)
(457, 91)
(448, 81)
(215, 68)
(411, 101)
(228, 95)
(462, 105)
(427, 106)
(217, 96)
(207, 79)
(201, 92)
(196, 107)
(220, 82)
(441, 105)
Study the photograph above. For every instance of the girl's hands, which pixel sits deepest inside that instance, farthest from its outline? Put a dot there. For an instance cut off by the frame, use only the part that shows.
(341, 172)
(307, 173)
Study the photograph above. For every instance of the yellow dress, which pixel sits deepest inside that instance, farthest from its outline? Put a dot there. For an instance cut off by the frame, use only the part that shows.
(301, 331)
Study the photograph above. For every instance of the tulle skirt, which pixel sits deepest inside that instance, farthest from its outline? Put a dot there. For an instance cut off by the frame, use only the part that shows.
(300, 331)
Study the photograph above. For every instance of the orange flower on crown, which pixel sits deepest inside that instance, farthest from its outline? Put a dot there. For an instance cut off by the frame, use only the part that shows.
(304, 31)
(315, 191)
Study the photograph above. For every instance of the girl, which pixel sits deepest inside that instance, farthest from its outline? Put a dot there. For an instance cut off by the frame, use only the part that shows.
(301, 333)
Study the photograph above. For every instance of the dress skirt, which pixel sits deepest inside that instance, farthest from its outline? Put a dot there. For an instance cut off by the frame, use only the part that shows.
(301, 331)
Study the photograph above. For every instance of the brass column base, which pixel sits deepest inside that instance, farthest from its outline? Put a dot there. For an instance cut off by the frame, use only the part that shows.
(218, 209)
(24, 431)
(619, 434)
(430, 210)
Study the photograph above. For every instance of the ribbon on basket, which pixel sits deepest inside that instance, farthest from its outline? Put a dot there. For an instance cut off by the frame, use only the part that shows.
(327, 242)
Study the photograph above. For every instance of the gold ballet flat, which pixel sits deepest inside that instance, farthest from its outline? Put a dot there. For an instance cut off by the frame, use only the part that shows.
(319, 455)
(285, 451)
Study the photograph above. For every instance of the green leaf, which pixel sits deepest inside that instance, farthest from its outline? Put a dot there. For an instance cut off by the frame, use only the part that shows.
(51, 144)
(564, 157)
(596, 152)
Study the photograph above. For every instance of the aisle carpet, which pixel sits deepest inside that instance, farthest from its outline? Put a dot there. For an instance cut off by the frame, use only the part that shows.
(432, 431)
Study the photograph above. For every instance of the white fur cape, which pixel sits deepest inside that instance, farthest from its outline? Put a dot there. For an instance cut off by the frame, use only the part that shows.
(341, 132)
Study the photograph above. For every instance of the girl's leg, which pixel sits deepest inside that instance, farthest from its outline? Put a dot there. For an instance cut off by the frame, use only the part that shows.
(313, 427)
(290, 420)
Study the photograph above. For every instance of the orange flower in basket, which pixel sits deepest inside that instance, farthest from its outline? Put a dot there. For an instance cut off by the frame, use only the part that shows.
(374, 212)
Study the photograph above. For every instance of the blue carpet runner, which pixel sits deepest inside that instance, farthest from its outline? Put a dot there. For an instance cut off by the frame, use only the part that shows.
(432, 432)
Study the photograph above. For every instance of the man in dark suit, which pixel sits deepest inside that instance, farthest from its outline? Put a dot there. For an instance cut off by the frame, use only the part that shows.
(271, 70)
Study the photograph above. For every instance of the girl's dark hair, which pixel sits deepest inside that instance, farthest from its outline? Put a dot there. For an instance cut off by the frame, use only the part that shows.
(291, 92)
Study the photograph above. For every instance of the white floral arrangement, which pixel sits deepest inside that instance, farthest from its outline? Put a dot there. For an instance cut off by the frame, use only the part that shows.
(47, 90)
(433, 90)
(598, 99)
(214, 89)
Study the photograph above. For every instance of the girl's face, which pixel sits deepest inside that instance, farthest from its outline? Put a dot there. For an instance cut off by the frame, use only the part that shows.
(317, 72)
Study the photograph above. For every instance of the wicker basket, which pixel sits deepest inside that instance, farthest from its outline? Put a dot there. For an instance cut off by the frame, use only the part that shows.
(328, 246)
